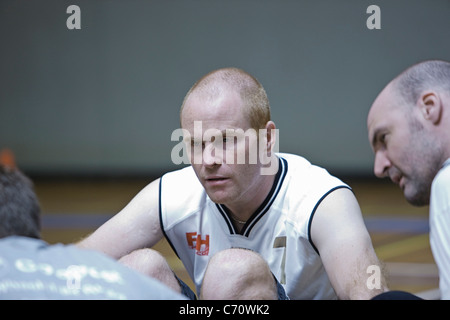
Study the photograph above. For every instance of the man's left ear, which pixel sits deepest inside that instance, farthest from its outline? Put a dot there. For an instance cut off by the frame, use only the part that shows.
(271, 135)
(430, 105)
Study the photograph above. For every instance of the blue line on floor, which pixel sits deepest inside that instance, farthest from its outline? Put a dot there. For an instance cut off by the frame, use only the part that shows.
(381, 223)
(397, 224)
(74, 221)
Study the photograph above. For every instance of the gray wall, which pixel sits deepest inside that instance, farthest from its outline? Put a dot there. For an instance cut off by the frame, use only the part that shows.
(105, 99)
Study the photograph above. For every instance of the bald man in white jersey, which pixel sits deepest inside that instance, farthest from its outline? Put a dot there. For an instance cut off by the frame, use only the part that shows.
(245, 225)
(409, 131)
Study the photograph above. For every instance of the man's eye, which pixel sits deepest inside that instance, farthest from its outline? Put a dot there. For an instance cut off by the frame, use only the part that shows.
(383, 140)
(230, 141)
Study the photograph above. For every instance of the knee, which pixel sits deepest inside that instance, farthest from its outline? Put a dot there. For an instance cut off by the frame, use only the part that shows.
(238, 274)
(151, 263)
(146, 261)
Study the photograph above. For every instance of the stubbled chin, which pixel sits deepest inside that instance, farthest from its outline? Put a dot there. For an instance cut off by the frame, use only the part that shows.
(217, 196)
(416, 198)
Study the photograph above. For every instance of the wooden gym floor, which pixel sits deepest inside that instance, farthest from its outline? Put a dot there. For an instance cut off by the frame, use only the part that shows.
(73, 208)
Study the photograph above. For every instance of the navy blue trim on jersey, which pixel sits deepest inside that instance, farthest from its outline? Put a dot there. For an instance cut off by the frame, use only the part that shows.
(314, 211)
(263, 208)
(161, 219)
(224, 214)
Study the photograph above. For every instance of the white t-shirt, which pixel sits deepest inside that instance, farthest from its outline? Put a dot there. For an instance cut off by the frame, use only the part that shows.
(440, 226)
(279, 230)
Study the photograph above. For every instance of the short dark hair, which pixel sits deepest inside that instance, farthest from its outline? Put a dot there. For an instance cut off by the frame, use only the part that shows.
(431, 74)
(19, 205)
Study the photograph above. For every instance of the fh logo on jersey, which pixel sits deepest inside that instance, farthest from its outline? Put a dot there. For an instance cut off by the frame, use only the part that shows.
(196, 242)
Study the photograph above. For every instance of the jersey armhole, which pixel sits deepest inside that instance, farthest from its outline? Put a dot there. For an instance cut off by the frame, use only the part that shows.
(161, 218)
(314, 211)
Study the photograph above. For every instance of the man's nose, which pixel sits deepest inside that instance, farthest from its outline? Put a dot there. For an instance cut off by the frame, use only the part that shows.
(381, 164)
(211, 155)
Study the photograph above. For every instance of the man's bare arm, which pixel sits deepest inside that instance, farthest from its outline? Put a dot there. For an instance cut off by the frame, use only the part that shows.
(136, 226)
(339, 233)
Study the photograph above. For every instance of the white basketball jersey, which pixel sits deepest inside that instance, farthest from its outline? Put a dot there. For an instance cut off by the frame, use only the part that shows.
(279, 230)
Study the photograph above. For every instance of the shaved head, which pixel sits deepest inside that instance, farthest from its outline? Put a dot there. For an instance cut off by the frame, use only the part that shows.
(432, 74)
(218, 82)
